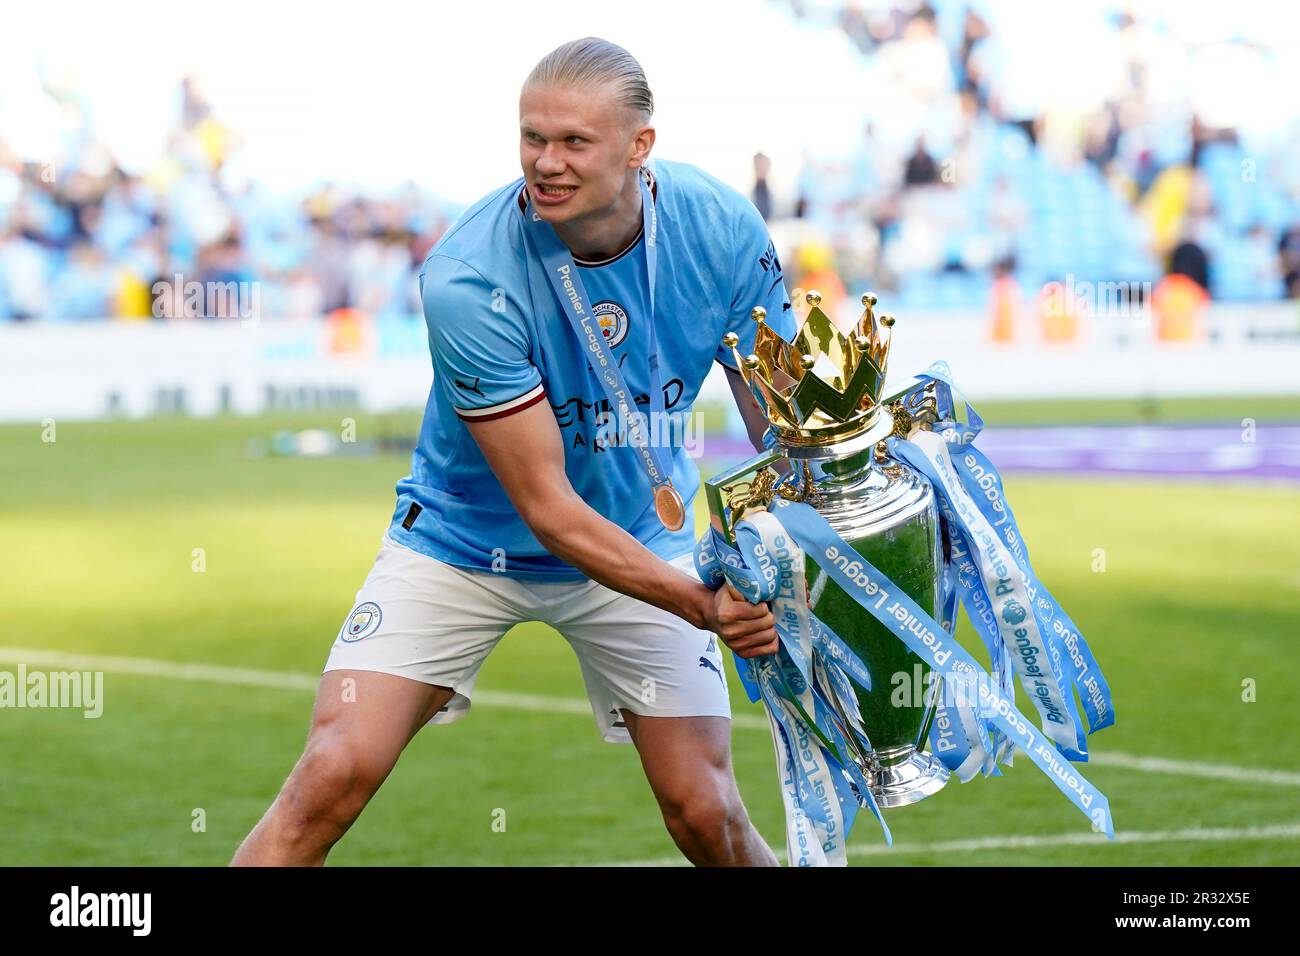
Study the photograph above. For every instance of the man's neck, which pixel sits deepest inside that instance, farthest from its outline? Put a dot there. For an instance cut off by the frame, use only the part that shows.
(606, 234)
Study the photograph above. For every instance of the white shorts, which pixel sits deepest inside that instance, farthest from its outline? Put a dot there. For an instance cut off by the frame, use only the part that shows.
(416, 617)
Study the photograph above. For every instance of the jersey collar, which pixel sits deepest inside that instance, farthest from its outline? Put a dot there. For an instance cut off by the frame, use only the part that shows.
(654, 193)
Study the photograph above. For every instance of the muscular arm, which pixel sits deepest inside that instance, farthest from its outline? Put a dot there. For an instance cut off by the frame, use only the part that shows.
(755, 418)
(526, 454)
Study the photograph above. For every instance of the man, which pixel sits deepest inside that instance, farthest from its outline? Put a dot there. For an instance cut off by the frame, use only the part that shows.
(527, 498)
(761, 194)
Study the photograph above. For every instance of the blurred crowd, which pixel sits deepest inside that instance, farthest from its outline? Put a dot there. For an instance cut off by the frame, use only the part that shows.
(81, 238)
(971, 183)
(1013, 153)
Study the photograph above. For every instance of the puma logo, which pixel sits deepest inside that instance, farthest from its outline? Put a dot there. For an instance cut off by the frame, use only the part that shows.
(470, 387)
(705, 662)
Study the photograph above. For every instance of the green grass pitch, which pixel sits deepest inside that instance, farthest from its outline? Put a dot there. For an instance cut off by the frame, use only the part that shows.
(97, 535)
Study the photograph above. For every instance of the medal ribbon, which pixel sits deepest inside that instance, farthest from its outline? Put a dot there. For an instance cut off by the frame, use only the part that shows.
(562, 273)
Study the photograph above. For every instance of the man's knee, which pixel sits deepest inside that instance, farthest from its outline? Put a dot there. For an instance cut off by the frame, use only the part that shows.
(703, 811)
(332, 782)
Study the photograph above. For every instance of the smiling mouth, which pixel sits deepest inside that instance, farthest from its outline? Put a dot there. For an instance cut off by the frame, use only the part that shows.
(556, 191)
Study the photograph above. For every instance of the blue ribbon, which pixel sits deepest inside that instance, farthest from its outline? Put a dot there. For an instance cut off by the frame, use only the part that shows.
(927, 639)
(792, 683)
(1066, 644)
(976, 725)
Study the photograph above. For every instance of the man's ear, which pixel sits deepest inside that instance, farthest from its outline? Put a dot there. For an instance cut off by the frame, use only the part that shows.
(642, 143)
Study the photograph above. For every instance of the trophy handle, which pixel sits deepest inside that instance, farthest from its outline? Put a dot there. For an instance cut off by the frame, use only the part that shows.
(897, 396)
(717, 488)
(915, 406)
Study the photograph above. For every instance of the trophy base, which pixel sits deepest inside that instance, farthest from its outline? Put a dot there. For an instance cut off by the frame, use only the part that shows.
(908, 781)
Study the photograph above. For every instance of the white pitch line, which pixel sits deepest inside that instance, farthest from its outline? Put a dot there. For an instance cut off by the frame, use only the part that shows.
(288, 680)
(1191, 768)
(1284, 831)
(149, 667)
(249, 677)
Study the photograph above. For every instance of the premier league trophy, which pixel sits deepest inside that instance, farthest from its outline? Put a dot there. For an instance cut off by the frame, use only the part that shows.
(883, 508)
(864, 526)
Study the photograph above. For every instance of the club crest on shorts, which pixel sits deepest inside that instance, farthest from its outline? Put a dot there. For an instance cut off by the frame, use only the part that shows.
(612, 320)
(362, 622)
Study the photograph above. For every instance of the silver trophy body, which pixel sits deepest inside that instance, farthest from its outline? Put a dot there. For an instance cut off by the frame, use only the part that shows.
(888, 513)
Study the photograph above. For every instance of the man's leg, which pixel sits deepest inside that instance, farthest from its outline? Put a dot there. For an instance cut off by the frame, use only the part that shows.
(688, 763)
(418, 629)
(636, 655)
(357, 732)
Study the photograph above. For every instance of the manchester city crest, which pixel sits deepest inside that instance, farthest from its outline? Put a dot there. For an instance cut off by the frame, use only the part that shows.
(612, 320)
(362, 622)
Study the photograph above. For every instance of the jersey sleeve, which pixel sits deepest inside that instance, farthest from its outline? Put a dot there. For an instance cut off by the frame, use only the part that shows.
(756, 280)
(481, 355)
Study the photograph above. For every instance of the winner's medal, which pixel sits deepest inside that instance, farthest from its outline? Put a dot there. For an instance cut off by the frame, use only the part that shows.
(669, 507)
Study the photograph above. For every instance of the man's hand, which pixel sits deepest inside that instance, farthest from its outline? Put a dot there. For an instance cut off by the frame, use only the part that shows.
(748, 629)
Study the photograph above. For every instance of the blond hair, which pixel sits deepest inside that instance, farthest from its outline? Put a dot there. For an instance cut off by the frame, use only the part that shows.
(591, 61)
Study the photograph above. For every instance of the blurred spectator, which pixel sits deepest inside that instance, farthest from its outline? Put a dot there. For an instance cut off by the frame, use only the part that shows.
(1189, 259)
(24, 276)
(1180, 297)
(815, 273)
(1004, 302)
(1288, 254)
(921, 169)
(761, 194)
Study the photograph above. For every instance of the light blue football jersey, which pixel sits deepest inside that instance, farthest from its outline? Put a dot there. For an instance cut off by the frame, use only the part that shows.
(500, 343)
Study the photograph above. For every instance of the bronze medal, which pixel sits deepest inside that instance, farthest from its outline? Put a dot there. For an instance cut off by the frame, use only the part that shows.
(669, 507)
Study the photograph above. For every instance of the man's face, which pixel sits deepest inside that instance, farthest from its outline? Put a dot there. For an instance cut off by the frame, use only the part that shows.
(576, 145)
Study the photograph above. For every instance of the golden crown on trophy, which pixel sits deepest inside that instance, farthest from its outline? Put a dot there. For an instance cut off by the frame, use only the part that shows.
(825, 386)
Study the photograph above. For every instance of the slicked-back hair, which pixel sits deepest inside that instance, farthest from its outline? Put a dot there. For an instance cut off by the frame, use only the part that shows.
(591, 61)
